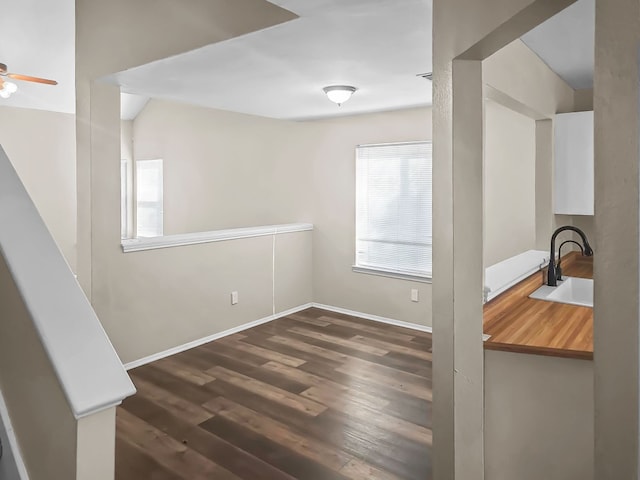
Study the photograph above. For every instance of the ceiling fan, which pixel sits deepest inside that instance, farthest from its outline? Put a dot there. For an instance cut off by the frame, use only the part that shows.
(7, 88)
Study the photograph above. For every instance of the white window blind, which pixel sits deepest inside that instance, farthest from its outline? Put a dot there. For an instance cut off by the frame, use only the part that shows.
(149, 195)
(393, 208)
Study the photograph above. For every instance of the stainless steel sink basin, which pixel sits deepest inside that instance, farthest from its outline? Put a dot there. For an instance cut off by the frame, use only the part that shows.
(571, 290)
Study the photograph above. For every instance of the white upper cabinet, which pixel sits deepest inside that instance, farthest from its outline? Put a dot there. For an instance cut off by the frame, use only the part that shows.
(573, 163)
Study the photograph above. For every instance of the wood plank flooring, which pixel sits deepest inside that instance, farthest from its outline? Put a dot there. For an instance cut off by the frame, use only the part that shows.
(313, 396)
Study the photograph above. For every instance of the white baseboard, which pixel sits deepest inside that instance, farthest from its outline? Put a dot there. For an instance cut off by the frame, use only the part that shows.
(210, 338)
(12, 450)
(255, 323)
(375, 318)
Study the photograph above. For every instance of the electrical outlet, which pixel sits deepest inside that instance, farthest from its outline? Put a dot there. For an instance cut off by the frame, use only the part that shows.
(234, 298)
(414, 295)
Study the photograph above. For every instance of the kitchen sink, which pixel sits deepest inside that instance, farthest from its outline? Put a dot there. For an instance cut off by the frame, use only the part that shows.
(571, 290)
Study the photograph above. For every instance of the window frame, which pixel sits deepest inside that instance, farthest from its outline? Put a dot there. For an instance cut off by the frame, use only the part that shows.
(381, 271)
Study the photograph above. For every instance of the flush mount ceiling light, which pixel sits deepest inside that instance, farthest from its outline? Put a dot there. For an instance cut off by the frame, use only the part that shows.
(339, 93)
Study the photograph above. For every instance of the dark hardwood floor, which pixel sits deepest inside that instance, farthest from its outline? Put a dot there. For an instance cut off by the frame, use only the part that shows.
(313, 396)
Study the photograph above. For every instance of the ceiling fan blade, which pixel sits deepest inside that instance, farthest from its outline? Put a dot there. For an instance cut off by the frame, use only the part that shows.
(27, 78)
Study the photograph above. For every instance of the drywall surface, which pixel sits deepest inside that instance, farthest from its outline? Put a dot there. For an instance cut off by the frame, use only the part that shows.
(333, 166)
(523, 78)
(42, 419)
(293, 270)
(41, 147)
(150, 301)
(519, 73)
(120, 35)
(509, 183)
(538, 417)
(616, 261)
(158, 299)
(465, 33)
(96, 446)
(586, 223)
(583, 100)
(225, 170)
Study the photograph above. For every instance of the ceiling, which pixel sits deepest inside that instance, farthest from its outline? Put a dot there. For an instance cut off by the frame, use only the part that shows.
(378, 46)
(131, 105)
(566, 43)
(38, 38)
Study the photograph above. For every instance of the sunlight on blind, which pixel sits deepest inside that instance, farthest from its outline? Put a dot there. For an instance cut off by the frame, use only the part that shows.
(393, 207)
(149, 193)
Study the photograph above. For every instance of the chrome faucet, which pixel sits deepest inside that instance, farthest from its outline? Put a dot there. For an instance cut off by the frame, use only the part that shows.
(555, 273)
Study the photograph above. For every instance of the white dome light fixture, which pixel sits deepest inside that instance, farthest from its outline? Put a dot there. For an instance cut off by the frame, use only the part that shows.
(7, 89)
(339, 93)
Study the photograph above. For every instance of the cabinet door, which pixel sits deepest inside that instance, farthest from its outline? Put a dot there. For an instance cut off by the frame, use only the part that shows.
(573, 163)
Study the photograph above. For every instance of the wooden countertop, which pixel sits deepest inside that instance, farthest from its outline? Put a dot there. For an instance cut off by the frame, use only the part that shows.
(518, 323)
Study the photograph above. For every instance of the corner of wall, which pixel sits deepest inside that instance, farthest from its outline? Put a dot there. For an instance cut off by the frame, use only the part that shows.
(583, 100)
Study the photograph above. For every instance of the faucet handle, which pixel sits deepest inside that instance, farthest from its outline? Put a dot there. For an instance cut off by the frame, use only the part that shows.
(558, 272)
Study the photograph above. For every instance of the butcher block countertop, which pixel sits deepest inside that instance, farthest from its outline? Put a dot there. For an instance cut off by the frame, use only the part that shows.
(518, 323)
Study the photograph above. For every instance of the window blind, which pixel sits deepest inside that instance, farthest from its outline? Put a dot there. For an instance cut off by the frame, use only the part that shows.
(149, 198)
(393, 208)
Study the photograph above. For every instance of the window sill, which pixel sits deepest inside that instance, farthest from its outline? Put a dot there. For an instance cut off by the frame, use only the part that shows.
(139, 244)
(390, 274)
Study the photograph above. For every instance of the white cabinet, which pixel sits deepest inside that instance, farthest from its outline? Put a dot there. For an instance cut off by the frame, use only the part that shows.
(573, 176)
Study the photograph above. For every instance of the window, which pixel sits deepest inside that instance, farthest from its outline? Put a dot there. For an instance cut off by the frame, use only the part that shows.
(393, 209)
(124, 198)
(149, 198)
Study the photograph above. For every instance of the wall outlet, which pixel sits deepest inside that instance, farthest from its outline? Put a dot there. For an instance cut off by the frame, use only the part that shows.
(234, 298)
(414, 295)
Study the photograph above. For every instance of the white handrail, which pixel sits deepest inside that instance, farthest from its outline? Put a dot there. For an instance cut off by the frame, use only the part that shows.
(86, 364)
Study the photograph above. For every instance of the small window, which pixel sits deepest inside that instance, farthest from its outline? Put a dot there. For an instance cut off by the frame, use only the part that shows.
(149, 198)
(124, 198)
(393, 209)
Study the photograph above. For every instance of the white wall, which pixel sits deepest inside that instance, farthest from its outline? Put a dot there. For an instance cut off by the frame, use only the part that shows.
(509, 183)
(41, 147)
